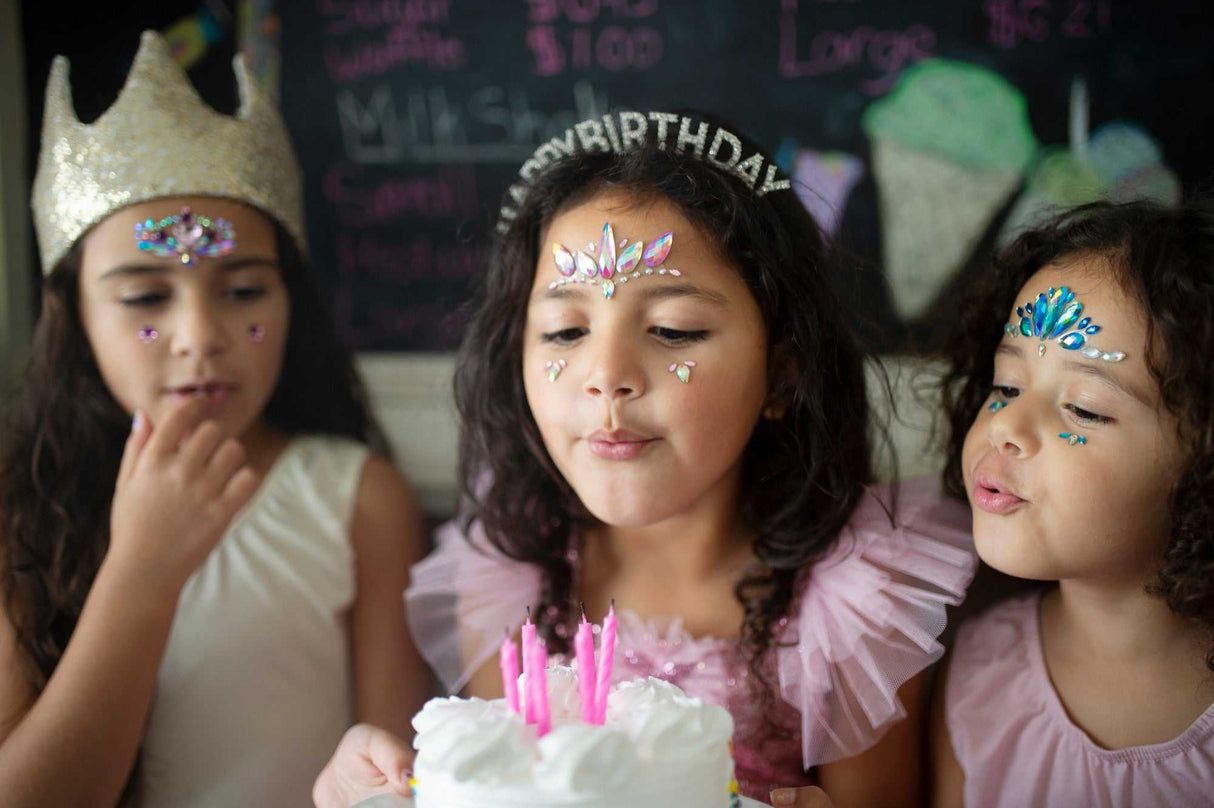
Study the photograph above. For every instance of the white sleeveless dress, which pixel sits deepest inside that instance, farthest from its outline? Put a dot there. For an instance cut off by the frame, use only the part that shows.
(254, 689)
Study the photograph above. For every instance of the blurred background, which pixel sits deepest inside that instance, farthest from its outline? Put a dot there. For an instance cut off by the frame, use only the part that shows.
(920, 135)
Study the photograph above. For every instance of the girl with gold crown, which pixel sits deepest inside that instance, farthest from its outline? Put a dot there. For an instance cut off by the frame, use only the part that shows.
(201, 558)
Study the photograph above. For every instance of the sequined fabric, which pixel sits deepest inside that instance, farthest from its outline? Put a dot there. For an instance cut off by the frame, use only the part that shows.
(158, 139)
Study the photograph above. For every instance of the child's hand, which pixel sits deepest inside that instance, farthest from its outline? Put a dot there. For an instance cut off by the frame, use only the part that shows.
(808, 797)
(179, 485)
(368, 761)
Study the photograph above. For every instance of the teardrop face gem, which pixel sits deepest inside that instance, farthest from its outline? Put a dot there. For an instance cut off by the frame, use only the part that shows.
(1115, 356)
(658, 250)
(630, 257)
(608, 288)
(1092, 353)
(1072, 341)
(607, 252)
(1041, 349)
(564, 260)
(586, 267)
(684, 373)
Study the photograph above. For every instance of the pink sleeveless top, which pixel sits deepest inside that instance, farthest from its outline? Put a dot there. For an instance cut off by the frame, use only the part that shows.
(1017, 746)
(865, 621)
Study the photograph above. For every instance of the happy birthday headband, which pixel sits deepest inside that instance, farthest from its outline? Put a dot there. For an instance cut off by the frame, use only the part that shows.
(159, 139)
(622, 131)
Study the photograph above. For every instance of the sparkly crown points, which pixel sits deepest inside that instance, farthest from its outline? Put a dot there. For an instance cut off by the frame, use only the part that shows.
(158, 139)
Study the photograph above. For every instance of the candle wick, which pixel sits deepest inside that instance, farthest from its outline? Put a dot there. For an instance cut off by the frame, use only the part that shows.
(582, 603)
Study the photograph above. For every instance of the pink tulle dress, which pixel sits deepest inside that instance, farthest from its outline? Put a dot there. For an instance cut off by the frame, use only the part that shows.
(865, 621)
(1017, 745)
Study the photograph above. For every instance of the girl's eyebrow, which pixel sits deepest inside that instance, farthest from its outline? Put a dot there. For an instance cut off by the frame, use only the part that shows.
(1109, 379)
(649, 292)
(229, 265)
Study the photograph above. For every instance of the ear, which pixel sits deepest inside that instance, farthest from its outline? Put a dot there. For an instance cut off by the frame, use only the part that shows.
(781, 382)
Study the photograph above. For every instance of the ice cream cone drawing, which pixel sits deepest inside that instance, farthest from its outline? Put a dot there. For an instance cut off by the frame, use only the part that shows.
(1119, 163)
(950, 145)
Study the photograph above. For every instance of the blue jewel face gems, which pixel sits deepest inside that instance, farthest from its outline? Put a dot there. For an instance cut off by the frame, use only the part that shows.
(683, 370)
(148, 335)
(1072, 438)
(1056, 316)
(614, 265)
(184, 234)
(554, 369)
(995, 406)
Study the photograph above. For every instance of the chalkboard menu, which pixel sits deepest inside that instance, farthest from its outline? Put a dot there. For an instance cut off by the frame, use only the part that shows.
(413, 116)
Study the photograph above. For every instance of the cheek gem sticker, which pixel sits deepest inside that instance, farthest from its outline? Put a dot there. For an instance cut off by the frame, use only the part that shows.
(683, 370)
(554, 369)
(1072, 438)
(148, 335)
(256, 333)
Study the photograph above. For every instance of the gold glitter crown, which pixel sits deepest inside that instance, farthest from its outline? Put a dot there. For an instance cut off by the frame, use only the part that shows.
(158, 139)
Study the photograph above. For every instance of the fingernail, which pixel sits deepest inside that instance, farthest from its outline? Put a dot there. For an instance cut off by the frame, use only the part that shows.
(783, 796)
(135, 420)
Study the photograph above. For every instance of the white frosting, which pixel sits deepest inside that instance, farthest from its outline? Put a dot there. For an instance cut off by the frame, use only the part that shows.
(659, 747)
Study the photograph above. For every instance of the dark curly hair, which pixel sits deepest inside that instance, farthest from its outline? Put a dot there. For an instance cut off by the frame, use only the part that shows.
(1163, 258)
(803, 473)
(62, 440)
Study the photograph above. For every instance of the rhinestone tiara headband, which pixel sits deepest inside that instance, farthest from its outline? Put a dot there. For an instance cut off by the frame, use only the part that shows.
(159, 139)
(622, 131)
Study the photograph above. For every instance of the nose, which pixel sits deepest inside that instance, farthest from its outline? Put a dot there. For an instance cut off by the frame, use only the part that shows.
(1013, 430)
(197, 330)
(615, 373)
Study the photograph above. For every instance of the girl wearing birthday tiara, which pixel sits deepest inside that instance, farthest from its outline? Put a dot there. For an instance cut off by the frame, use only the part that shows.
(661, 404)
(1079, 396)
(199, 601)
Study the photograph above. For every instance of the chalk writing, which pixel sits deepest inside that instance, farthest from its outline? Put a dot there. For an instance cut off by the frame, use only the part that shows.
(343, 16)
(492, 124)
(1015, 21)
(363, 200)
(887, 51)
(588, 11)
(614, 49)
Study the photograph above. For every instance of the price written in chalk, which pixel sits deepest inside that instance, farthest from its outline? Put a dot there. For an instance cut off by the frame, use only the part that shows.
(581, 35)
(1014, 22)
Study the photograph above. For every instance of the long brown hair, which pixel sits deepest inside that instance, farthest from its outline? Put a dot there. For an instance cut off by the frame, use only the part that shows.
(1164, 258)
(62, 440)
(803, 473)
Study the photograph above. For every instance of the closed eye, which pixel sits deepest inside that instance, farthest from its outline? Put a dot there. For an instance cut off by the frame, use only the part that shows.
(144, 301)
(1087, 416)
(564, 336)
(674, 336)
(1006, 392)
(247, 293)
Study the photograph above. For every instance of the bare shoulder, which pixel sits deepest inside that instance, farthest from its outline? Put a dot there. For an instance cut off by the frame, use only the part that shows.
(947, 787)
(387, 517)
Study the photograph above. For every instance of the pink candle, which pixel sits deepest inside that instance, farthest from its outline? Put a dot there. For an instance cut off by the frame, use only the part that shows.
(606, 659)
(509, 666)
(539, 691)
(583, 645)
(529, 643)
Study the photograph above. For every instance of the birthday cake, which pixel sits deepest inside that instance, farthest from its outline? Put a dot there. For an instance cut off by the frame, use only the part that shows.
(655, 747)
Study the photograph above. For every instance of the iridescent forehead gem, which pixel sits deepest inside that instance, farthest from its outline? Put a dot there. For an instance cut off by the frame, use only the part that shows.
(1056, 316)
(616, 263)
(187, 235)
